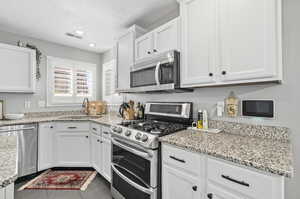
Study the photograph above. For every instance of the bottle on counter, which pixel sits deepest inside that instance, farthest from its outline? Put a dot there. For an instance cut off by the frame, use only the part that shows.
(200, 120)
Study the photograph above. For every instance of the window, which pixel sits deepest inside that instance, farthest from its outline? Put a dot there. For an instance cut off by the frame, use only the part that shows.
(109, 83)
(69, 81)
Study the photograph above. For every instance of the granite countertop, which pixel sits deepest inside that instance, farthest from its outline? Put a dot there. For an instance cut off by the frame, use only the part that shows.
(8, 141)
(8, 159)
(107, 119)
(270, 155)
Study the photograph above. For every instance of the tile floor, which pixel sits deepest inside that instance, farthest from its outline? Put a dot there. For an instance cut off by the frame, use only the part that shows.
(98, 189)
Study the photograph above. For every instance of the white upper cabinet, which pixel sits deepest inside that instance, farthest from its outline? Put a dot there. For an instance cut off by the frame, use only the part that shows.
(230, 42)
(144, 46)
(249, 42)
(162, 39)
(166, 37)
(198, 42)
(18, 69)
(126, 56)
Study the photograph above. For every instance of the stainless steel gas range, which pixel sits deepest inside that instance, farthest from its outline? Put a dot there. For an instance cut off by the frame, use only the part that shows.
(136, 152)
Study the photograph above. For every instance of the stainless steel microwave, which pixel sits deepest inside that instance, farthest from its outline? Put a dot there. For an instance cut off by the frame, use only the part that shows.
(160, 72)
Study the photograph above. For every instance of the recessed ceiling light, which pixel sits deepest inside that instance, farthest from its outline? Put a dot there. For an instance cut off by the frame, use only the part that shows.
(92, 45)
(79, 32)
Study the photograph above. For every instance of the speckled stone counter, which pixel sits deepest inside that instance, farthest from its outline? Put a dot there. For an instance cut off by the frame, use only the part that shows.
(270, 155)
(8, 159)
(107, 119)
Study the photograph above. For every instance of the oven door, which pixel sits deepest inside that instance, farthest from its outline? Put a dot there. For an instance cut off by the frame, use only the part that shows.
(134, 171)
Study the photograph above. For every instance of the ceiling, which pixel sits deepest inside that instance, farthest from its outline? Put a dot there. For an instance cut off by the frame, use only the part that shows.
(101, 20)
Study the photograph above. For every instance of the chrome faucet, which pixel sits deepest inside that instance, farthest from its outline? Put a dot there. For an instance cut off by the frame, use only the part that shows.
(85, 105)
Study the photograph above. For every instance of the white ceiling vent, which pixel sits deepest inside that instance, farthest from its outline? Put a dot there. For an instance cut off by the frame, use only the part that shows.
(73, 35)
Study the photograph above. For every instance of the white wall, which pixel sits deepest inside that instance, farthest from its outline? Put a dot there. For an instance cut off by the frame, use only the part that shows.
(286, 95)
(15, 102)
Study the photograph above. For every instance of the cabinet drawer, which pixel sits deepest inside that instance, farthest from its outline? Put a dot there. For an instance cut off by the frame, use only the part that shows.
(96, 128)
(242, 180)
(73, 126)
(189, 161)
(106, 131)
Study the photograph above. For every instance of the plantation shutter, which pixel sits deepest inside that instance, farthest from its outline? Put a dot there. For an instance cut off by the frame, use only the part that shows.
(63, 81)
(84, 83)
(108, 82)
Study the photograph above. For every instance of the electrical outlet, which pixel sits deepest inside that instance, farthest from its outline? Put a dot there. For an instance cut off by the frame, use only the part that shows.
(27, 104)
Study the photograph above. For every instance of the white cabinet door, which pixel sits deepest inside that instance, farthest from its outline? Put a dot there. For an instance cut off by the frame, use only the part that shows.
(249, 39)
(178, 185)
(72, 149)
(166, 37)
(216, 192)
(144, 46)
(198, 42)
(125, 59)
(45, 152)
(9, 191)
(18, 69)
(96, 151)
(106, 158)
(2, 193)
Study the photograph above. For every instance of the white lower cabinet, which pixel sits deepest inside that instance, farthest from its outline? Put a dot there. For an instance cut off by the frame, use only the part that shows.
(190, 175)
(72, 149)
(45, 146)
(7, 192)
(96, 152)
(75, 144)
(106, 158)
(101, 150)
(217, 192)
(72, 144)
(179, 185)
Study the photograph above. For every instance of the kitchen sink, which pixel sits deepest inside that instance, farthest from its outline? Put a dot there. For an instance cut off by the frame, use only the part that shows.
(79, 117)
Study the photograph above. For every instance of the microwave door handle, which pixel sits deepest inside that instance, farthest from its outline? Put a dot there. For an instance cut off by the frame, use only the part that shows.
(157, 73)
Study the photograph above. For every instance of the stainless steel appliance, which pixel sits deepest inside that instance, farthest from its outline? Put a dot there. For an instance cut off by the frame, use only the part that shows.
(157, 73)
(27, 147)
(136, 152)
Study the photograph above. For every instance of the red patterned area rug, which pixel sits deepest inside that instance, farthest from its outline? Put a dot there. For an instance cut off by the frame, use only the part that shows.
(61, 180)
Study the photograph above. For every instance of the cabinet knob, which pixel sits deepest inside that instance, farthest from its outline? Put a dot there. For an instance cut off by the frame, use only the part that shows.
(224, 72)
(149, 52)
(210, 196)
(98, 140)
(154, 50)
(87, 136)
(51, 127)
(195, 188)
(211, 74)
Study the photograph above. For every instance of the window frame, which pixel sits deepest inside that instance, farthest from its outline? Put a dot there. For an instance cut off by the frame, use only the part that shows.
(73, 100)
(114, 97)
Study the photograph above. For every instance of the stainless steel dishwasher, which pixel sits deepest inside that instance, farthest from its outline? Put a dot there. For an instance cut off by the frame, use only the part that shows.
(27, 147)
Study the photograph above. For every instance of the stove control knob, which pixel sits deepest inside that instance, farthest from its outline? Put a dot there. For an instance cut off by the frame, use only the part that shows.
(128, 133)
(119, 130)
(144, 138)
(138, 136)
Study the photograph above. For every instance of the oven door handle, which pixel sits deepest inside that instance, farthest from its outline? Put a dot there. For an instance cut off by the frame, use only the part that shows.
(139, 153)
(137, 186)
(157, 73)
